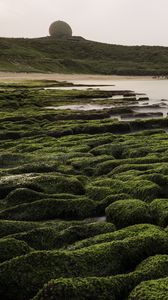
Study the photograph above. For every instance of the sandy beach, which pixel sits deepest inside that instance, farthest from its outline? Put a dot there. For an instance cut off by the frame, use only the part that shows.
(12, 77)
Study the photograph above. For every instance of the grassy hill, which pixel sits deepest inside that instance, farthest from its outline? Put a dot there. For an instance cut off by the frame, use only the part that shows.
(80, 56)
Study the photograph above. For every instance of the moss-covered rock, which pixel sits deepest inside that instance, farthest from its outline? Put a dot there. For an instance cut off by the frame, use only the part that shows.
(10, 247)
(101, 206)
(128, 232)
(47, 238)
(151, 290)
(128, 212)
(22, 277)
(98, 193)
(85, 288)
(106, 167)
(137, 188)
(113, 287)
(142, 189)
(151, 264)
(59, 168)
(11, 227)
(159, 210)
(49, 209)
(41, 183)
(23, 195)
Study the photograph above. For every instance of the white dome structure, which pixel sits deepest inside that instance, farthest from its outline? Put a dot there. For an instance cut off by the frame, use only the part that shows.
(60, 29)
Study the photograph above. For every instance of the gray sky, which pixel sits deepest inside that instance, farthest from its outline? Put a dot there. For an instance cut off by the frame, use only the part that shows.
(130, 22)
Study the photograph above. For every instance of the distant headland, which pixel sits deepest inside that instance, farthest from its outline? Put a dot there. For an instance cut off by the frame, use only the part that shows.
(63, 52)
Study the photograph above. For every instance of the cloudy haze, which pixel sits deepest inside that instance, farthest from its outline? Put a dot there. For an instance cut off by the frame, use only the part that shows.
(127, 22)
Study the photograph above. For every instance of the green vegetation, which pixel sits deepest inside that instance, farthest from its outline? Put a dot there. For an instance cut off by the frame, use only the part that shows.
(128, 212)
(113, 287)
(83, 197)
(48, 237)
(80, 56)
(151, 290)
(10, 247)
(159, 209)
(51, 209)
(128, 232)
(11, 227)
(31, 271)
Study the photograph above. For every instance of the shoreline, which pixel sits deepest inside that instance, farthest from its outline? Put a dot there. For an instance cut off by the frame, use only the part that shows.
(10, 77)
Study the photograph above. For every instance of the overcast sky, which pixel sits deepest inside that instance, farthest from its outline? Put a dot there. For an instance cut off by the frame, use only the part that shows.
(130, 22)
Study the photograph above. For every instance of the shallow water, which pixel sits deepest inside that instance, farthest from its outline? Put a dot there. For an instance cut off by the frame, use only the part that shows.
(86, 87)
(85, 107)
(156, 90)
(163, 110)
(153, 88)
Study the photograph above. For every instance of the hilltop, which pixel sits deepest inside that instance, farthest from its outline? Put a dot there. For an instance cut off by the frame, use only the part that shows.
(81, 56)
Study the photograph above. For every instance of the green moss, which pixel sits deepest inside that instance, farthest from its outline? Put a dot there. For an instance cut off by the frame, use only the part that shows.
(143, 189)
(9, 159)
(59, 168)
(41, 183)
(60, 184)
(153, 263)
(137, 188)
(113, 150)
(128, 212)
(101, 206)
(113, 287)
(159, 210)
(127, 167)
(37, 167)
(25, 275)
(83, 288)
(159, 179)
(106, 167)
(128, 232)
(151, 290)
(83, 162)
(47, 238)
(11, 227)
(23, 195)
(49, 209)
(110, 165)
(98, 193)
(10, 247)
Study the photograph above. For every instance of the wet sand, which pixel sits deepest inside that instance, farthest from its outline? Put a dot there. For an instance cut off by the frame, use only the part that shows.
(13, 77)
